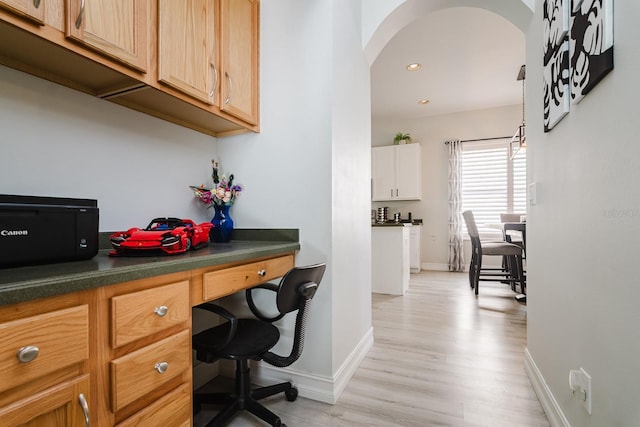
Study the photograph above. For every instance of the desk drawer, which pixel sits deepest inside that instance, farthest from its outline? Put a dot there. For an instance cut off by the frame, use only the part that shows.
(173, 409)
(139, 314)
(142, 371)
(224, 282)
(60, 338)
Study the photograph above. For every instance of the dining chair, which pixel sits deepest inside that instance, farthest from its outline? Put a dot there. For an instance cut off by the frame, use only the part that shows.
(511, 273)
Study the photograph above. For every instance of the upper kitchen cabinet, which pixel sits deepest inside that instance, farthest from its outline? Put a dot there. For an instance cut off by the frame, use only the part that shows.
(187, 39)
(190, 62)
(117, 28)
(32, 10)
(239, 30)
(396, 172)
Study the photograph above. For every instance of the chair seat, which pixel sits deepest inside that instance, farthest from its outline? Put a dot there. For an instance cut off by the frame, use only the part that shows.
(501, 248)
(253, 338)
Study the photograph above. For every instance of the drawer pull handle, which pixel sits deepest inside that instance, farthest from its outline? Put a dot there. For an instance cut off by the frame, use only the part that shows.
(36, 3)
(28, 354)
(262, 273)
(85, 409)
(161, 367)
(161, 311)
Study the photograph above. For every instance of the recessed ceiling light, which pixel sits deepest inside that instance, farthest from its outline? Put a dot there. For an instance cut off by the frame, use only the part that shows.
(414, 67)
(423, 101)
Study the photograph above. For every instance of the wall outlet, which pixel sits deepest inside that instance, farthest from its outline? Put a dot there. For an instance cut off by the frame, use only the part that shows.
(580, 385)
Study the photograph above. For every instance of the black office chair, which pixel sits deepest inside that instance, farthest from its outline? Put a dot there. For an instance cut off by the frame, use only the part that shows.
(251, 339)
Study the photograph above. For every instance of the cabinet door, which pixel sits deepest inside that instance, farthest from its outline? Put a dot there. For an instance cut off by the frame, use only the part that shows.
(239, 60)
(64, 405)
(30, 9)
(117, 28)
(408, 172)
(383, 171)
(187, 47)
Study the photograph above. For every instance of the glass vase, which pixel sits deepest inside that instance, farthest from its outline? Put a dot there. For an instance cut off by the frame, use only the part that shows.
(222, 224)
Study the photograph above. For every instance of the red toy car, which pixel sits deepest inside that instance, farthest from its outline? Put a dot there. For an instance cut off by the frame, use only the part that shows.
(162, 236)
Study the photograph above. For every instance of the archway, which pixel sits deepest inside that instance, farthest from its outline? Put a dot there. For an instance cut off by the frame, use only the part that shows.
(385, 23)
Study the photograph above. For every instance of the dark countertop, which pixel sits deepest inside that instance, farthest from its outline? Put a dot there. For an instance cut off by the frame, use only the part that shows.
(31, 282)
(392, 223)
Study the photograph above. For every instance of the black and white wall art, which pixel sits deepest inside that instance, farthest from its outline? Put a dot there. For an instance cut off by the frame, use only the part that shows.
(556, 87)
(591, 45)
(577, 52)
(556, 61)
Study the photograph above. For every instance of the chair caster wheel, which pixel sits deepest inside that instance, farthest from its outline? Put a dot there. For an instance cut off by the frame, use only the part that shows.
(291, 394)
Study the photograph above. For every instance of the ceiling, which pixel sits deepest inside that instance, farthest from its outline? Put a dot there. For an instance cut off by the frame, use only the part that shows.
(470, 60)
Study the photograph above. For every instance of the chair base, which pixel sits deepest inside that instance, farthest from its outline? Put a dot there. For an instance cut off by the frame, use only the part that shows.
(243, 398)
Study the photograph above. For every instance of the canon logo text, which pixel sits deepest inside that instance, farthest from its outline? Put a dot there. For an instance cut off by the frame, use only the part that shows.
(5, 233)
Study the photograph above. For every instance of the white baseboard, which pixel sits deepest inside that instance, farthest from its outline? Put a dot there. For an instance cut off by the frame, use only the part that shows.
(549, 403)
(316, 387)
(433, 266)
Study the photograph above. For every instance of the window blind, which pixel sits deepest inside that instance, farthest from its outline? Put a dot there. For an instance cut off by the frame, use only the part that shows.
(492, 183)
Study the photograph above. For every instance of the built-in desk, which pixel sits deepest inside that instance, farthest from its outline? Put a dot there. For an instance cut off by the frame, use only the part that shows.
(110, 338)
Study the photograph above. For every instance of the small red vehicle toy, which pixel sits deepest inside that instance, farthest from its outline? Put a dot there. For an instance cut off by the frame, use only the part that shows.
(162, 236)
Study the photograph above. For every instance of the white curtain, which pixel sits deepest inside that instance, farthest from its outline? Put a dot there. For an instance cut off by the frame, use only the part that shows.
(456, 255)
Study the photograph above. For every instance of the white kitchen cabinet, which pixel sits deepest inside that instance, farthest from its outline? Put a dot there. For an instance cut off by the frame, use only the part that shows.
(390, 259)
(396, 172)
(415, 231)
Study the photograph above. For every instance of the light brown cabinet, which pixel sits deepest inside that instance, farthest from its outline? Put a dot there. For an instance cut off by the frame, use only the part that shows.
(118, 355)
(190, 62)
(44, 365)
(208, 49)
(187, 52)
(64, 405)
(32, 10)
(117, 28)
(239, 29)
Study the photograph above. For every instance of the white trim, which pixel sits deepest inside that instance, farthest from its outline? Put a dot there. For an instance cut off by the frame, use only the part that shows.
(316, 387)
(547, 400)
(434, 266)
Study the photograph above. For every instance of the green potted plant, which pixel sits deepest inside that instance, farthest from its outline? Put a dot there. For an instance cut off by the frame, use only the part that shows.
(401, 138)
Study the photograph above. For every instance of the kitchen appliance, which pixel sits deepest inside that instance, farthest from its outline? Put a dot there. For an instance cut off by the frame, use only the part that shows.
(38, 230)
(382, 214)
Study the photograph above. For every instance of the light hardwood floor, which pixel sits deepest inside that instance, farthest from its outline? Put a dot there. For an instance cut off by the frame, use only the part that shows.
(441, 357)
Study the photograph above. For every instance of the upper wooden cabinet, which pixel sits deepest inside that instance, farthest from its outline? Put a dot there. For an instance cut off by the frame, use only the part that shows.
(190, 62)
(208, 49)
(187, 57)
(239, 58)
(30, 9)
(117, 28)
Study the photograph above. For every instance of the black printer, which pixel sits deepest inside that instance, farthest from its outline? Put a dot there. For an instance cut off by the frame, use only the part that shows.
(38, 230)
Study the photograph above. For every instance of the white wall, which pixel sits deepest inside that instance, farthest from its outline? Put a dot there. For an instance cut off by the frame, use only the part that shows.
(431, 133)
(308, 168)
(582, 240)
(63, 143)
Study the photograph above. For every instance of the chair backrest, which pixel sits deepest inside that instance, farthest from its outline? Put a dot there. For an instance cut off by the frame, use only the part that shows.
(297, 283)
(295, 291)
(510, 217)
(472, 228)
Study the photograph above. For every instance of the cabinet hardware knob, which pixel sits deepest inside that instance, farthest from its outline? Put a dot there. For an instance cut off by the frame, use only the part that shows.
(161, 311)
(262, 273)
(36, 3)
(28, 353)
(80, 15)
(85, 409)
(161, 367)
(226, 101)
